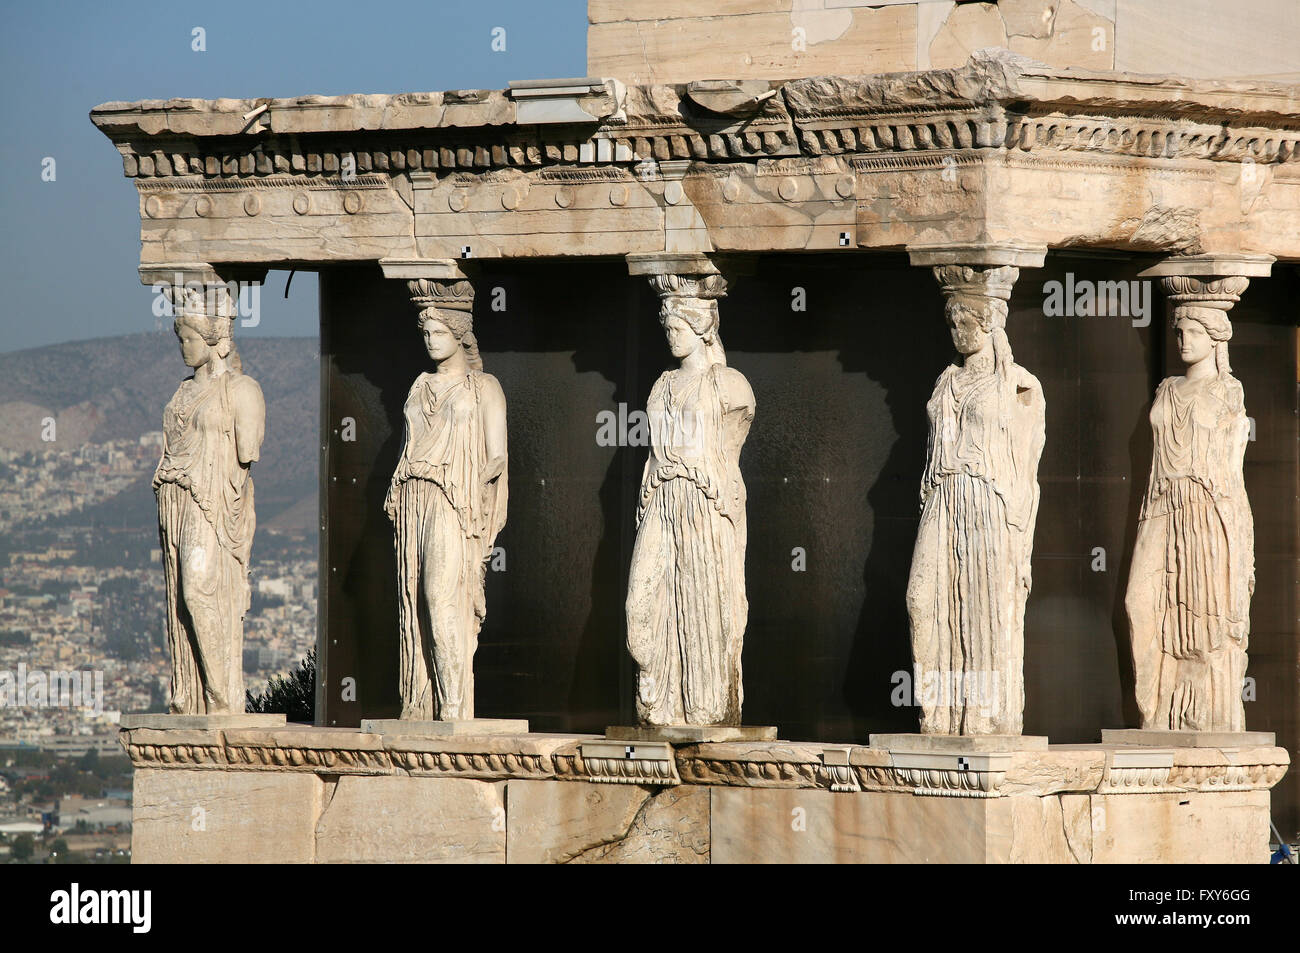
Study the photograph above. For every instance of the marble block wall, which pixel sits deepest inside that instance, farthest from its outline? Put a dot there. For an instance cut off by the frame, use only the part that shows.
(676, 41)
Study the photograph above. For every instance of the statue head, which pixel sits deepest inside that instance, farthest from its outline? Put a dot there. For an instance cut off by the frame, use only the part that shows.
(1200, 331)
(974, 321)
(1200, 315)
(976, 308)
(971, 319)
(691, 324)
(204, 337)
(446, 331)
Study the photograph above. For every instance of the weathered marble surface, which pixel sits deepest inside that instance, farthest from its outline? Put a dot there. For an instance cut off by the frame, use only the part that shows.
(191, 817)
(587, 823)
(691, 734)
(1193, 569)
(997, 148)
(970, 573)
(1182, 829)
(395, 820)
(686, 602)
(766, 826)
(212, 429)
(328, 794)
(447, 503)
(1188, 739)
(961, 743)
(128, 722)
(677, 40)
(445, 729)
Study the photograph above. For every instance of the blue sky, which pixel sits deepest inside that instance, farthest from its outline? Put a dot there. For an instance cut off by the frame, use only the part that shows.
(72, 245)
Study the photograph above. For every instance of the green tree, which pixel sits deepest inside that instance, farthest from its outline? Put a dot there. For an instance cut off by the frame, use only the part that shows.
(23, 847)
(294, 697)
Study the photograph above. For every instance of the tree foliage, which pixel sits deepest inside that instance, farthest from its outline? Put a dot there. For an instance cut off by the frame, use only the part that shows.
(23, 847)
(293, 697)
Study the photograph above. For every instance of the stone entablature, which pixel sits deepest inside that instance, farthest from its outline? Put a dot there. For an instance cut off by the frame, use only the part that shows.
(593, 167)
(1059, 769)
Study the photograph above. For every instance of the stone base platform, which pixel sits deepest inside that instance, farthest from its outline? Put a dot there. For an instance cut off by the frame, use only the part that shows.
(960, 744)
(466, 728)
(211, 722)
(691, 734)
(298, 794)
(1145, 737)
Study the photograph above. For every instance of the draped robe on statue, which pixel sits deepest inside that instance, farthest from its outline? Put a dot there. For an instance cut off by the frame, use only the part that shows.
(445, 521)
(686, 605)
(1190, 583)
(205, 525)
(970, 568)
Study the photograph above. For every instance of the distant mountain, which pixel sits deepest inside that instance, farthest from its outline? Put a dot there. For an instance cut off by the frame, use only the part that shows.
(115, 389)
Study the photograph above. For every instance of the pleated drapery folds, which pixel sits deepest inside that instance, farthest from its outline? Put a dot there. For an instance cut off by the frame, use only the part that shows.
(205, 528)
(970, 570)
(445, 520)
(686, 603)
(1192, 574)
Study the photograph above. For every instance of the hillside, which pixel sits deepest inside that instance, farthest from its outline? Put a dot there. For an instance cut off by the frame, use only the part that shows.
(115, 388)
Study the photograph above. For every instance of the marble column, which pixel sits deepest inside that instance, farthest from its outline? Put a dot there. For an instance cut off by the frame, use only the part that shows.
(686, 603)
(1193, 569)
(213, 428)
(447, 503)
(970, 574)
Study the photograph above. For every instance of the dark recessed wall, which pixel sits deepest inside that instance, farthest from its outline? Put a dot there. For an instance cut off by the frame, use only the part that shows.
(833, 464)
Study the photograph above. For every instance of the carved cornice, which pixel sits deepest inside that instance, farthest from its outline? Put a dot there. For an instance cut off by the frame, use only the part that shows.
(1218, 777)
(618, 762)
(191, 183)
(750, 772)
(933, 782)
(1137, 771)
(847, 769)
(996, 101)
(839, 769)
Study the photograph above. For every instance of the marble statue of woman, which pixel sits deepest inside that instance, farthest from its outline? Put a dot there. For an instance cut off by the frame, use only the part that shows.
(212, 428)
(447, 502)
(970, 572)
(686, 605)
(1193, 569)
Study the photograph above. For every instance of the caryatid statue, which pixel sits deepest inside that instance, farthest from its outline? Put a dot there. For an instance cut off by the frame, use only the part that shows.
(970, 572)
(1193, 568)
(447, 503)
(686, 604)
(212, 428)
